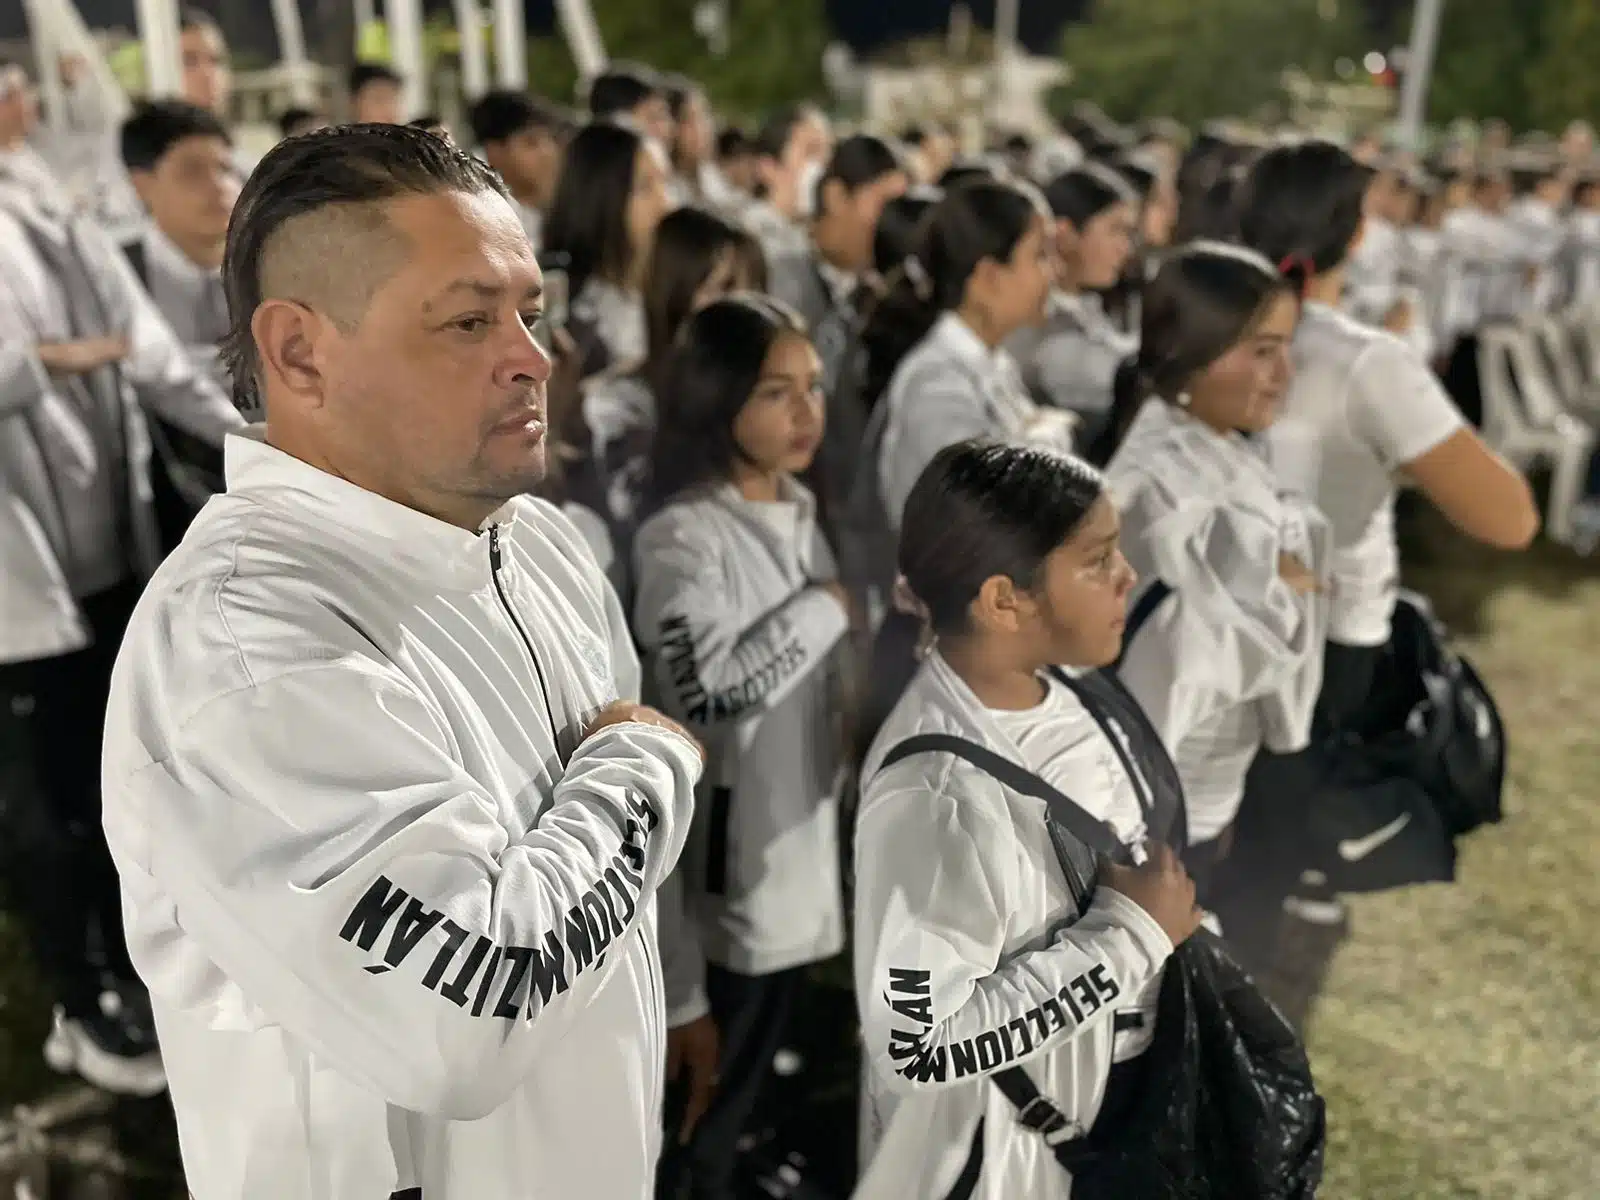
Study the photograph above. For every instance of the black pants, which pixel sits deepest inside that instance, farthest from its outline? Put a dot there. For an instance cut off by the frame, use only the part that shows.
(752, 1016)
(59, 872)
(1203, 860)
(1461, 379)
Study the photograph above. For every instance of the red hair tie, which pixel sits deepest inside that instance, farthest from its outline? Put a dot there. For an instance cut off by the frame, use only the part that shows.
(1298, 268)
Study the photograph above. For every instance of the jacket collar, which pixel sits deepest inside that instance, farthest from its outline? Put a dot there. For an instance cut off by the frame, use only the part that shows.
(426, 545)
(958, 340)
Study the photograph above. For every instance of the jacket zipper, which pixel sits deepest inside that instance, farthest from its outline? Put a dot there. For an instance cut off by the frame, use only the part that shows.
(527, 642)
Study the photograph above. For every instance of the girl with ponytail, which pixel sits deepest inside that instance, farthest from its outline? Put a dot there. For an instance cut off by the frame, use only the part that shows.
(1224, 647)
(1070, 361)
(1363, 410)
(981, 272)
(971, 917)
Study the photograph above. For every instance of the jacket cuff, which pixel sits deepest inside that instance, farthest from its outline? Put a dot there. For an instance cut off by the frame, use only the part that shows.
(690, 1008)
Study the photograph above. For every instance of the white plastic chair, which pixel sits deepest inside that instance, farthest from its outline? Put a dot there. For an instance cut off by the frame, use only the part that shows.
(1524, 420)
(1557, 338)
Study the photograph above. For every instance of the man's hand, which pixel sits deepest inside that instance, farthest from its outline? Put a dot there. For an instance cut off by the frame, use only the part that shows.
(622, 712)
(87, 354)
(1162, 888)
(1300, 578)
(692, 1049)
(1400, 317)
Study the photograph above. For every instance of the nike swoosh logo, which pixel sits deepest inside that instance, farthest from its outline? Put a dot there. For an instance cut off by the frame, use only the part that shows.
(1355, 849)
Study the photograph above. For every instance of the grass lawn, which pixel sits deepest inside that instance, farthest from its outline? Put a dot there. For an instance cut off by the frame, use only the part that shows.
(1458, 1038)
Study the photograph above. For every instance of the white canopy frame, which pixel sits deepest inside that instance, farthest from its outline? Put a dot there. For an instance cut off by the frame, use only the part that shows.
(56, 29)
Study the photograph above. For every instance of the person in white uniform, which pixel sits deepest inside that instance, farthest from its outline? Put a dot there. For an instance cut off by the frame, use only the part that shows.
(611, 195)
(522, 137)
(980, 943)
(1071, 359)
(829, 285)
(388, 821)
(180, 159)
(937, 371)
(740, 614)
(1363, 407)
(1224, 652)
(85, 362)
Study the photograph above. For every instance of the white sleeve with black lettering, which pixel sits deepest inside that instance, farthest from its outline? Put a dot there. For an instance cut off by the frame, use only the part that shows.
(932, 901)
(711, 665)
(317, 839)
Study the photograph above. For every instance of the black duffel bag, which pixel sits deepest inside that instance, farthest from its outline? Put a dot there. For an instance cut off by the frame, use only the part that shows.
(1381, 806)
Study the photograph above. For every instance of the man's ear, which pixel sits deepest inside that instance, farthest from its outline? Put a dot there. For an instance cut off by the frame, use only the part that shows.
(290, 340)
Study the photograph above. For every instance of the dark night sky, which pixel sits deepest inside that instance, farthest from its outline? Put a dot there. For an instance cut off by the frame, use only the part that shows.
(865, 24)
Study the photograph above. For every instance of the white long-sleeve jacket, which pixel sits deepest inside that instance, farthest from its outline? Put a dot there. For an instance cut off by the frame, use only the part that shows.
(970, 955)
(740, 641)
(1232, 661)
(397, 922)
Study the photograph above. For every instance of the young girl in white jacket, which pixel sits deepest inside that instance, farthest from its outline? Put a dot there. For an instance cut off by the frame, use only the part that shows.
(1225, 652)
(739, 612)
(986, 938)
(983, 270)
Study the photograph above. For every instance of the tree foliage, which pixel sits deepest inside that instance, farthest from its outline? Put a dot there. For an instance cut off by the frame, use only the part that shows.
(1199, 59)
(775, 54)
(1531, 63)
(1564, 80)
(1482, 65)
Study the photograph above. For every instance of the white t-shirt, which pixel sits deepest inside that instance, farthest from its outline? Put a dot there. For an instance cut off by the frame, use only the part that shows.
(1059, 731)
(1362, 405)
(1055, 737)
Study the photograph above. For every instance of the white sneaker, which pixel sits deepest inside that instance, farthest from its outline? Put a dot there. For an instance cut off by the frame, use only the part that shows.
(106, 1054)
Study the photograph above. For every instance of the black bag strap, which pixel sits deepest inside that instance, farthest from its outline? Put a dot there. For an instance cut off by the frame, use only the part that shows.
(1090, 830)
(1136, 779)
(1036, 1112)
(1154, 594)
(134, 252)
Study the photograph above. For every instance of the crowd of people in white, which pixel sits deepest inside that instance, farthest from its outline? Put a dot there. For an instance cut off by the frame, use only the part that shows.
(334, 804)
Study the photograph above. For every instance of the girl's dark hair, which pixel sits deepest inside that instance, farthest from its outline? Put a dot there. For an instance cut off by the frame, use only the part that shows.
(711, 372)
(1205, 297)
(898, 227)
(689, 241)
(959, 173)
(588, 219)
(857, 161)
(978, 510)
(1083, 193)
(983, 219)
(1209, 214)
(1303, 204)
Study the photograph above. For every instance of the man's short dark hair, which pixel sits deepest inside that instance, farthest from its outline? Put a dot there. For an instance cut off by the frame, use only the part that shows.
(290, 119)
(364, 73)
(156, 127)
(190, 17)
(503, 114)
(733, 142)
(773, 137)
(621, 88)
(344, 172)
(427, 121)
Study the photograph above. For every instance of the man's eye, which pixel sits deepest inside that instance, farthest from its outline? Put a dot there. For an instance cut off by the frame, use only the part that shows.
(472, 324)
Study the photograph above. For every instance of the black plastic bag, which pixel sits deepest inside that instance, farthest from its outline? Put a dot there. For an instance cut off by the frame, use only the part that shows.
(1228, 1109)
